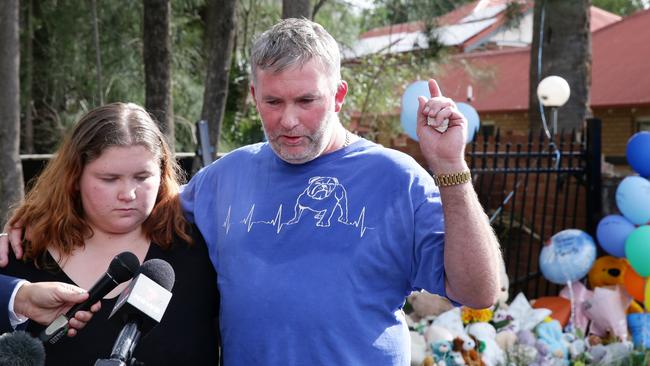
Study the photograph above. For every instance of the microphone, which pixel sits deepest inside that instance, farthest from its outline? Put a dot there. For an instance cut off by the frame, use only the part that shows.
(140, 307)
(21, 349)
(122, 268)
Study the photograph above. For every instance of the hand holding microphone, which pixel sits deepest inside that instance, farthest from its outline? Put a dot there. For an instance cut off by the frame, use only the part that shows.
(122, 268)
(42, 302)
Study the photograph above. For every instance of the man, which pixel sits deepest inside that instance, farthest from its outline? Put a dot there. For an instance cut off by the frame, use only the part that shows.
(318, 235)
(42, 302)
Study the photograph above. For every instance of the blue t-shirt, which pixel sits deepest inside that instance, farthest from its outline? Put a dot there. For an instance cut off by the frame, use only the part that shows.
(315, 260)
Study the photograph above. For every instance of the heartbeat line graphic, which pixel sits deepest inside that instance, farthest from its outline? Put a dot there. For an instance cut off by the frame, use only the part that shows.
(277, 221)
(226, 223)
(279, 225)
(360, 223)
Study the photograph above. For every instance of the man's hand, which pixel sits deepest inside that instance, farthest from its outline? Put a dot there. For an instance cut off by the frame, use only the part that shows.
(444, 151)
(43, 302)
(12, 238)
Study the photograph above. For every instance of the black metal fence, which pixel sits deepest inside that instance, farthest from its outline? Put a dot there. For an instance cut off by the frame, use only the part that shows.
(532, 188)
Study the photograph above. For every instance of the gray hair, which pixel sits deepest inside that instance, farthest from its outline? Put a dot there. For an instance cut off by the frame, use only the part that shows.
(295, 42)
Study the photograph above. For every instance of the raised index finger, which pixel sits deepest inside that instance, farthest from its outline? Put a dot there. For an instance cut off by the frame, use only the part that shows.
(434, 89)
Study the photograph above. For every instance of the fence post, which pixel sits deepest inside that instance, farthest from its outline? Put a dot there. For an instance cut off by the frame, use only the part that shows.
(594, 179)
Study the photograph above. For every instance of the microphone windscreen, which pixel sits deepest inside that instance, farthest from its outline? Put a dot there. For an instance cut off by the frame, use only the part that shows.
(160, 272)
(123, 266)
(21, 349)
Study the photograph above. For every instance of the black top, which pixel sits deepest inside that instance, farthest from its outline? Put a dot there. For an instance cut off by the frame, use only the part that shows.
(187, 334)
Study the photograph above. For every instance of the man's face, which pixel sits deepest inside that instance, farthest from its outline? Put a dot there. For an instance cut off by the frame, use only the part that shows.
(298, 109)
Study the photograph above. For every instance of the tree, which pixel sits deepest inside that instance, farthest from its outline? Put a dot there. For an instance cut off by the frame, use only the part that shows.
(11, 183)
(296, 9)
(98, 53)
(157, 55)
(220, 39)
(620, 7)
(561, 33)
(27, 127)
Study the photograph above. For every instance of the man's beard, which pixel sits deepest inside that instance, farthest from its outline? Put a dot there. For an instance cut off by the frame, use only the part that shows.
(317, 142)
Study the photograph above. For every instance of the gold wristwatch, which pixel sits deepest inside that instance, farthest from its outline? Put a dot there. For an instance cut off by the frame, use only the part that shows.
(452, 179)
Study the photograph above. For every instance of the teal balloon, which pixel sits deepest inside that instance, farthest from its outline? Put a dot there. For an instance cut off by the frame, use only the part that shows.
(410, 104)
(633, 199)
(637, 250)
(568, 256)
(611, 234)
(473, 120)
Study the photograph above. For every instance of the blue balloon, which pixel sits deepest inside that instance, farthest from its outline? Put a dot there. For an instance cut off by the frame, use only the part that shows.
(473, 121)
(633, 199)
(638, 153)
(408, 115)
(611, 234)
(568, 256)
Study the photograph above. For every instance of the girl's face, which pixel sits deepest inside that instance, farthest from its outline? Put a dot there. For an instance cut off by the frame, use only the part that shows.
(119, 189)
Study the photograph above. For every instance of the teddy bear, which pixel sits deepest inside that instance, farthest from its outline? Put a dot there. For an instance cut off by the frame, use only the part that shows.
(440, 350)
(550, 334)
(467, 349)
(492, 354)
(609, 271)
(426, 304)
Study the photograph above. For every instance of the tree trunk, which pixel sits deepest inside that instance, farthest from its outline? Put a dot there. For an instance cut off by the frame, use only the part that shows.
(157, 57)
(566, 52)
(296, 9)
(98, 54)
(219, 35)
(11, 181)
(27, 125)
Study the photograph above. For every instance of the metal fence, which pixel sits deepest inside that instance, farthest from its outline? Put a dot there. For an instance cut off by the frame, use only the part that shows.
(531, 188)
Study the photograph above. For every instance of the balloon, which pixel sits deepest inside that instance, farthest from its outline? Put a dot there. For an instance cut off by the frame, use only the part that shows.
(633, 199)
(633, 283)
(408, 115)
(568, 256)
(612, 232)
(473, 121)
(637, 250)
(638, 153)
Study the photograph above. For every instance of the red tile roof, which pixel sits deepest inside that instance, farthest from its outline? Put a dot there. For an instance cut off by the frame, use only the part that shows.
(621, 62)
(599, 18)
(620, 70)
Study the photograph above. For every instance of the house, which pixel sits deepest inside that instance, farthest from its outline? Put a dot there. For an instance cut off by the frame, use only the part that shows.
(494, 61)
(484, 24)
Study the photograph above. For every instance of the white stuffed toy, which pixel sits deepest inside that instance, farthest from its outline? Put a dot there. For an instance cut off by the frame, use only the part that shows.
(492, 354)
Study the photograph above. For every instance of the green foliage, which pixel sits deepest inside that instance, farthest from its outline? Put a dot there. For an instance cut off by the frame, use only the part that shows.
(376, 83)
(401, 11)
(620, 7)
(64, 67)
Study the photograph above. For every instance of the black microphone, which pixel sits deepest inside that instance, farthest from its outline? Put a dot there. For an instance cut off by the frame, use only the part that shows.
(21, 349)
(122, 268)
(140, 307)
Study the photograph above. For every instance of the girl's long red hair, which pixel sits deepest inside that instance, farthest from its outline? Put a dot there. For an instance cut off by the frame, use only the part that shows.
(52, 210)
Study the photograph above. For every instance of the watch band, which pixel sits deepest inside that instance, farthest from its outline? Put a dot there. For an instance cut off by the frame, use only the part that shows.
(452, 179)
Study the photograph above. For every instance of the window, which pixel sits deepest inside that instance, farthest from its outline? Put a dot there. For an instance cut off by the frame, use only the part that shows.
(643, 123)
(487, 128)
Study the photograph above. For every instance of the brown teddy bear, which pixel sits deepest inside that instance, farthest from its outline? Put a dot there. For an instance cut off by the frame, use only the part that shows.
(467, 348)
